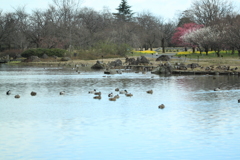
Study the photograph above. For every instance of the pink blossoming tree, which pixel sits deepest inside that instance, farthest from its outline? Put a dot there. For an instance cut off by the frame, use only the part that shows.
(181, 31)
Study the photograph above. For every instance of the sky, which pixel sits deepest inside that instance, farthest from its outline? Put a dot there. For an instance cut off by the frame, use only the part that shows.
(167, 9)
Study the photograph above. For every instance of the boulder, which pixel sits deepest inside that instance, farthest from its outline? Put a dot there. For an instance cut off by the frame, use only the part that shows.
(163, 58)
(33, 59)
(165, 69)
(193, 65)
(98, 65)
(65, 59)
(181, 66)
(139, 60)
(143, 60)
(131, 61)
(45, 56)
(116, 63)
(4, 59)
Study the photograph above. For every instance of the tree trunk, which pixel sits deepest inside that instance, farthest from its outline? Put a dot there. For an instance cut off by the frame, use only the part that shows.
(37, 45)
(218, 51)
(163, 45)
(206, 50)
(193, 49)
(200, 50)
(150, 45)
(8, 46)
(239, 52)
(145, 46)
(233, 50)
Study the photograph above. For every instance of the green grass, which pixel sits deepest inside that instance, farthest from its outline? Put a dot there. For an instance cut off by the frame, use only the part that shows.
(14, 62)
(212, 54)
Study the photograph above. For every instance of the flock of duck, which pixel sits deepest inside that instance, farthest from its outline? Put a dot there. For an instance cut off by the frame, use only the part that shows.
(112, 97)
(98, 95)
(18, 96)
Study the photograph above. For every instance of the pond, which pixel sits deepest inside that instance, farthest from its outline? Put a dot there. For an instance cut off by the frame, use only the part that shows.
(196, 123)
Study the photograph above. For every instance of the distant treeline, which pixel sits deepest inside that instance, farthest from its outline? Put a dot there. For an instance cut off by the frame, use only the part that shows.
(64, 25)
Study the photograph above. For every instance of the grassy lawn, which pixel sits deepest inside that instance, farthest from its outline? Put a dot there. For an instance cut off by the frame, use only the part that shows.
(211, 54)
(226, 58)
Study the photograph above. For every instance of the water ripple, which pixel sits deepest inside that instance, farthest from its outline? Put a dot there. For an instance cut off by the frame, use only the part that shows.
(196, 122)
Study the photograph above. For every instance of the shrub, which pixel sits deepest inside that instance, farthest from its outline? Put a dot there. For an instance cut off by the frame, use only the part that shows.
(41, 51)
(111, 48)
(12, 53)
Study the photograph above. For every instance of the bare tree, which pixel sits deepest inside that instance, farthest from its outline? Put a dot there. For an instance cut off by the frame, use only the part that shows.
(67, 11)
(167, 31)
(207, 12)
(184, 18)
(7, 29)
(233, 34)
(88, 27)
(21, 38)
(151, 29)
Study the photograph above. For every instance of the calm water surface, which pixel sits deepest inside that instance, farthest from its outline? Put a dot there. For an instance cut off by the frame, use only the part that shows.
(197, 122)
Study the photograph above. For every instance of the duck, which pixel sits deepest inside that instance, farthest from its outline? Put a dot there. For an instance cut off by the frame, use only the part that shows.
(150, 91)
(110, 94)
(97, 97)
(161, 106)
(17, 96)
(238, 100)
(217, 89)
(112, 99)
(91, 92)
(8, 92)
(117, 89)
(116, 96)
(123, 92)
(62, 93)
(97, 93)
(129, 94)
(33, 93)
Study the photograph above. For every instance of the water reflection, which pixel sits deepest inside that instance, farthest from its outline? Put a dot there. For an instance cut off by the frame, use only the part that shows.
(195, 121)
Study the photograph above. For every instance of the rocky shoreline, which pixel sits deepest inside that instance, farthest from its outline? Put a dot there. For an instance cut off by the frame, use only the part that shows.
(159, 65)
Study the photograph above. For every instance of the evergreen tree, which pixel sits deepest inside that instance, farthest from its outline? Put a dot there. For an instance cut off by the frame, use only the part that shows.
(124, 12)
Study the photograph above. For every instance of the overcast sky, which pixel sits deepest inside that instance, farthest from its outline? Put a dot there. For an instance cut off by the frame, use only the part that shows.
(164, 8)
